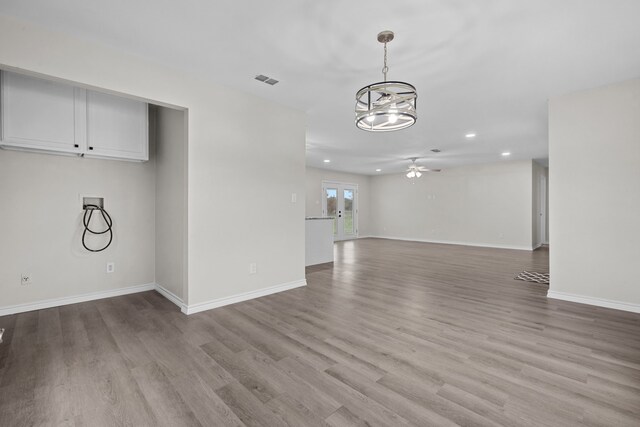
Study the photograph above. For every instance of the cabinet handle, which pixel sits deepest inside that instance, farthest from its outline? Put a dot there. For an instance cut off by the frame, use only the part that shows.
(76, 145)
(90, 148)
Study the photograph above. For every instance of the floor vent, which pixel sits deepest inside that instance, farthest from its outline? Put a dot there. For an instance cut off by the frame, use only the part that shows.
(531, 276)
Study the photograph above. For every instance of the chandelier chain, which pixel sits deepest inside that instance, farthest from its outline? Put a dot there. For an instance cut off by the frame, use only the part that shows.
(385, 69)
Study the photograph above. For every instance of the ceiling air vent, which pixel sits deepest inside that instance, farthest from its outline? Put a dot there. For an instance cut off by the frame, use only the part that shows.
(265, 79)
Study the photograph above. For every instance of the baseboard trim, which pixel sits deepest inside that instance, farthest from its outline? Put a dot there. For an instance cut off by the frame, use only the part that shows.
(448, 242)
(186, 309)
(600, 302)
(171, 296)
(220, 302)
(57, 302)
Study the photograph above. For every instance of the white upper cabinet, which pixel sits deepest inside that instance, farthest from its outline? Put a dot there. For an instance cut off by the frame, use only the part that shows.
(117, 127)
(38, 114)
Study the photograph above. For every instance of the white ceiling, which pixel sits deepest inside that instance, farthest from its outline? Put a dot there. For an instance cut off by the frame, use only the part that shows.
(483, 66)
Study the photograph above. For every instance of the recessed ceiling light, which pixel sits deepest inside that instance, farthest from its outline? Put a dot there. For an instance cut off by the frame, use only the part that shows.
(378, 170)
(327, 161)
(470, 135)
(506, 153)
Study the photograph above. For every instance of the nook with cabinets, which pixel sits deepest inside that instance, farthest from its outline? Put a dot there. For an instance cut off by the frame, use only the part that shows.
(47, 116)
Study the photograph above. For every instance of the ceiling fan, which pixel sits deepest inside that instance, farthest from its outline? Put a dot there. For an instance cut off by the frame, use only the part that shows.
(416, 171)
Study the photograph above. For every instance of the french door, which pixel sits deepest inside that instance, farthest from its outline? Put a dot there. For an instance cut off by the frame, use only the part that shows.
(340, 200)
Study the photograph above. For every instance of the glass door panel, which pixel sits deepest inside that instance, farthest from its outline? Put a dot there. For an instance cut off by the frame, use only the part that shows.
(348, 196)
(331, 203)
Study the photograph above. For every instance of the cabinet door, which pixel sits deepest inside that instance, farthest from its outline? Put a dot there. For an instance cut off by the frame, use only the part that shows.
(40, 114)
(117, 127)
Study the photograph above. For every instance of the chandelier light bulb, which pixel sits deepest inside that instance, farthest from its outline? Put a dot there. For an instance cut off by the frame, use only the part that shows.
(371, 118)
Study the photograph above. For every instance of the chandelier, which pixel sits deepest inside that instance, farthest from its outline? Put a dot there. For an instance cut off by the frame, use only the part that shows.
(388, 105)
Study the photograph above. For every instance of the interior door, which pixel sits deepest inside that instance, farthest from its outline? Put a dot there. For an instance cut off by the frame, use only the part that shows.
(542, 214)
(340, 201)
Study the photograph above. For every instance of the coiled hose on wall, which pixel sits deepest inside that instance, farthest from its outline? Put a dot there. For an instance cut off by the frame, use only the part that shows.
(86, 219)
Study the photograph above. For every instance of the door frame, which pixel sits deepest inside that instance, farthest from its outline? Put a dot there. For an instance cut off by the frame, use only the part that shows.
(341, 187)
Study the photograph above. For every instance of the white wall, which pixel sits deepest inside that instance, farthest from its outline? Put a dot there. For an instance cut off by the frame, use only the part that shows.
(41, 225)
(594, 154)
(314, 178)
(169, 127)
(241, 174)
(486, 205)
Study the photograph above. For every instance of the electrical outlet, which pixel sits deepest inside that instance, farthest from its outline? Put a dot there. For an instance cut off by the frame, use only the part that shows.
(25, 279)
(111, 267)
(253, 268)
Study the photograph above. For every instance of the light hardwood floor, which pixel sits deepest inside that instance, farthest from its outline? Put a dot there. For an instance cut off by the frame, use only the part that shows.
(395, 333)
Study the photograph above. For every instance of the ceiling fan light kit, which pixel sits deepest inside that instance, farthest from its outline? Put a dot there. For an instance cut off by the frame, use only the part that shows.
(388, 105)
(416, 171)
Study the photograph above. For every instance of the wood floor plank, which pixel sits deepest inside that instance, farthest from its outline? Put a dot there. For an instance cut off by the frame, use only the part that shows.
(205, 404)
(247, 407)
(343, 417)
(413, 412)
(364, 407)
(168, 406)
(295, 413)
(247, 374)
(291, 385)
